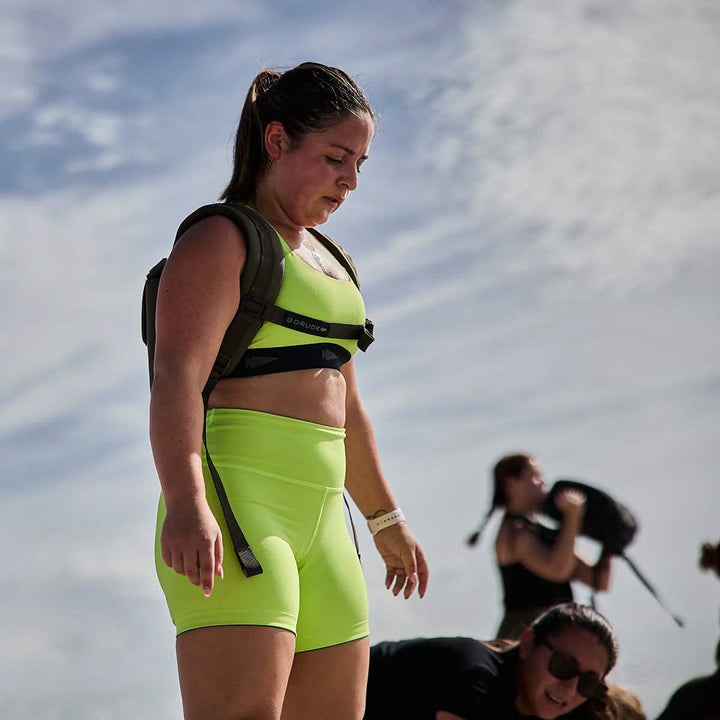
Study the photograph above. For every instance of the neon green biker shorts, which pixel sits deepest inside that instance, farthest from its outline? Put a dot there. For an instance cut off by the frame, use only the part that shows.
(284, 479)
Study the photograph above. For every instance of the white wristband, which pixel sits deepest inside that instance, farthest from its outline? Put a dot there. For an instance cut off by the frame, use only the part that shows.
(383, 521)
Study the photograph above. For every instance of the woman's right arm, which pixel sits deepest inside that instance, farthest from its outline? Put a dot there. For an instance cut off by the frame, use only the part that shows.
(198, 297)
(596, 576)
(555, 562)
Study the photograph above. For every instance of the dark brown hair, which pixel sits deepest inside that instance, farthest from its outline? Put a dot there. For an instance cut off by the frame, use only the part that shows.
(507, 466)
(308, 98)
(574, 615)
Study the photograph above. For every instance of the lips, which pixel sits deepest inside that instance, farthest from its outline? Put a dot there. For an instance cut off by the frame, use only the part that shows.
(556, 701)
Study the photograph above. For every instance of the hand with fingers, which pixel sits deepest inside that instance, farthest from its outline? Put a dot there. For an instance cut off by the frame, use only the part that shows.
(571, 503)
(191, 543)
(406, 568)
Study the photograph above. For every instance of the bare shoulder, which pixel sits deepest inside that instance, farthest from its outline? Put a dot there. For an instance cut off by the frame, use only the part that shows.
(210, 237)
(208, 258)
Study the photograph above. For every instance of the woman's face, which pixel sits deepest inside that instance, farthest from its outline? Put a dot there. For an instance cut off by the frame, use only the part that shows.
(311, 179)
(526, 489)
(539, 691)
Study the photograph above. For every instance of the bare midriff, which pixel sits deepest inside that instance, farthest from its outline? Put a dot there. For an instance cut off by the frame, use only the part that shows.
(316, 395)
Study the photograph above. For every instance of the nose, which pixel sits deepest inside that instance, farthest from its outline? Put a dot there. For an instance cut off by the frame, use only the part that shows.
(349, 178)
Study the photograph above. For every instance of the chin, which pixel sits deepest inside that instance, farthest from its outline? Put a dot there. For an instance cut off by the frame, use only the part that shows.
(318, 219)
(550, 714)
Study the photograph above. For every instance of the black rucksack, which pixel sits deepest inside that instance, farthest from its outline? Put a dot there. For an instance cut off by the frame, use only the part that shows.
(607, 521)
(260, 283)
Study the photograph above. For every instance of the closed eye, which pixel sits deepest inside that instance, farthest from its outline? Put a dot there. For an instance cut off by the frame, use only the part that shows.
(339, 161)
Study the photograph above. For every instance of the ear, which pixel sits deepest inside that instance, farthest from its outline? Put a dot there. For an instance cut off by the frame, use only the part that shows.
(276, 140)
(527, 642)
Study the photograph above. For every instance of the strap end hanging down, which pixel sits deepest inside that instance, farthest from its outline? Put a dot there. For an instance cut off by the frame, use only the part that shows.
(676, 618)
(248, 562)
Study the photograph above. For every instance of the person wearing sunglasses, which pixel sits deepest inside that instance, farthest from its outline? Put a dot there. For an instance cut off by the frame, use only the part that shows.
(556, 670)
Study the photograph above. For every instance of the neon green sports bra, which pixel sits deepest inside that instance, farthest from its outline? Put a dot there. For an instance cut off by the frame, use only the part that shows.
(306, 293)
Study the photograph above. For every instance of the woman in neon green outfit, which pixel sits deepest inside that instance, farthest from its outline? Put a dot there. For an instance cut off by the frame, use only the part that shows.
(291, 642)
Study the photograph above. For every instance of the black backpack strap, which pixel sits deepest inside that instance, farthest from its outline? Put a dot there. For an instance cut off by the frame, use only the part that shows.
(147, 317)
(352, 525)
(678, 620)
(260, 281)
(249, 564)
(364, 335)
(312, 326)
(261, 278)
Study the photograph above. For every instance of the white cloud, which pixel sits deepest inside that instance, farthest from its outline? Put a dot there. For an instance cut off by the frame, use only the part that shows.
(97, 128)
(51, 29)
(590, 132)
(17, 90)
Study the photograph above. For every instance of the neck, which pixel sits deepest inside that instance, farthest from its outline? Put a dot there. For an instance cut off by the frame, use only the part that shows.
(519, 509)
(521, 703)
(273, 212)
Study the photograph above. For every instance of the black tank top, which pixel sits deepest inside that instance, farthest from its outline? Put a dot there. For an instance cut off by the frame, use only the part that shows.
(523, 589)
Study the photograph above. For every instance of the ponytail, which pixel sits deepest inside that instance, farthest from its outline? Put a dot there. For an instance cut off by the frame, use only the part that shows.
(250, 158)
(473, 539)
(506, 466)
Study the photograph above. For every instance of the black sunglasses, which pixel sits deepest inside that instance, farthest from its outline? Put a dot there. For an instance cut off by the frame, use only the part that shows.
(565, 667)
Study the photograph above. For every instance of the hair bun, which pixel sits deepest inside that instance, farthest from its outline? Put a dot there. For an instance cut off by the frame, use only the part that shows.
(264, 81)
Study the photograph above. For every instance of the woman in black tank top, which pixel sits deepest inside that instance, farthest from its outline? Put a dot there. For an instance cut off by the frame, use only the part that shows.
(536, 563)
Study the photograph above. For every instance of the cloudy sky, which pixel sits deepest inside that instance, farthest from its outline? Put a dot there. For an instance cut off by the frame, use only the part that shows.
(537, 236)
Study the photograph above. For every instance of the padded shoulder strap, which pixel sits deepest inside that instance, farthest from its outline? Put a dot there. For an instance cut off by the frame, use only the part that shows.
(259, 282)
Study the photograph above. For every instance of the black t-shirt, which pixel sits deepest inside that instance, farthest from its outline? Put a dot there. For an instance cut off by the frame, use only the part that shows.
(414, 679)
(698, 699)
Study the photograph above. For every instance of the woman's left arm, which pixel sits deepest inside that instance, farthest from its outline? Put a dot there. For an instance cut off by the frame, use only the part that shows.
(404, 560)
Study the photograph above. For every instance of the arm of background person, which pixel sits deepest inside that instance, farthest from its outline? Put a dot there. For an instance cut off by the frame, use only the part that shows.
(555, 562)
(595, 576)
